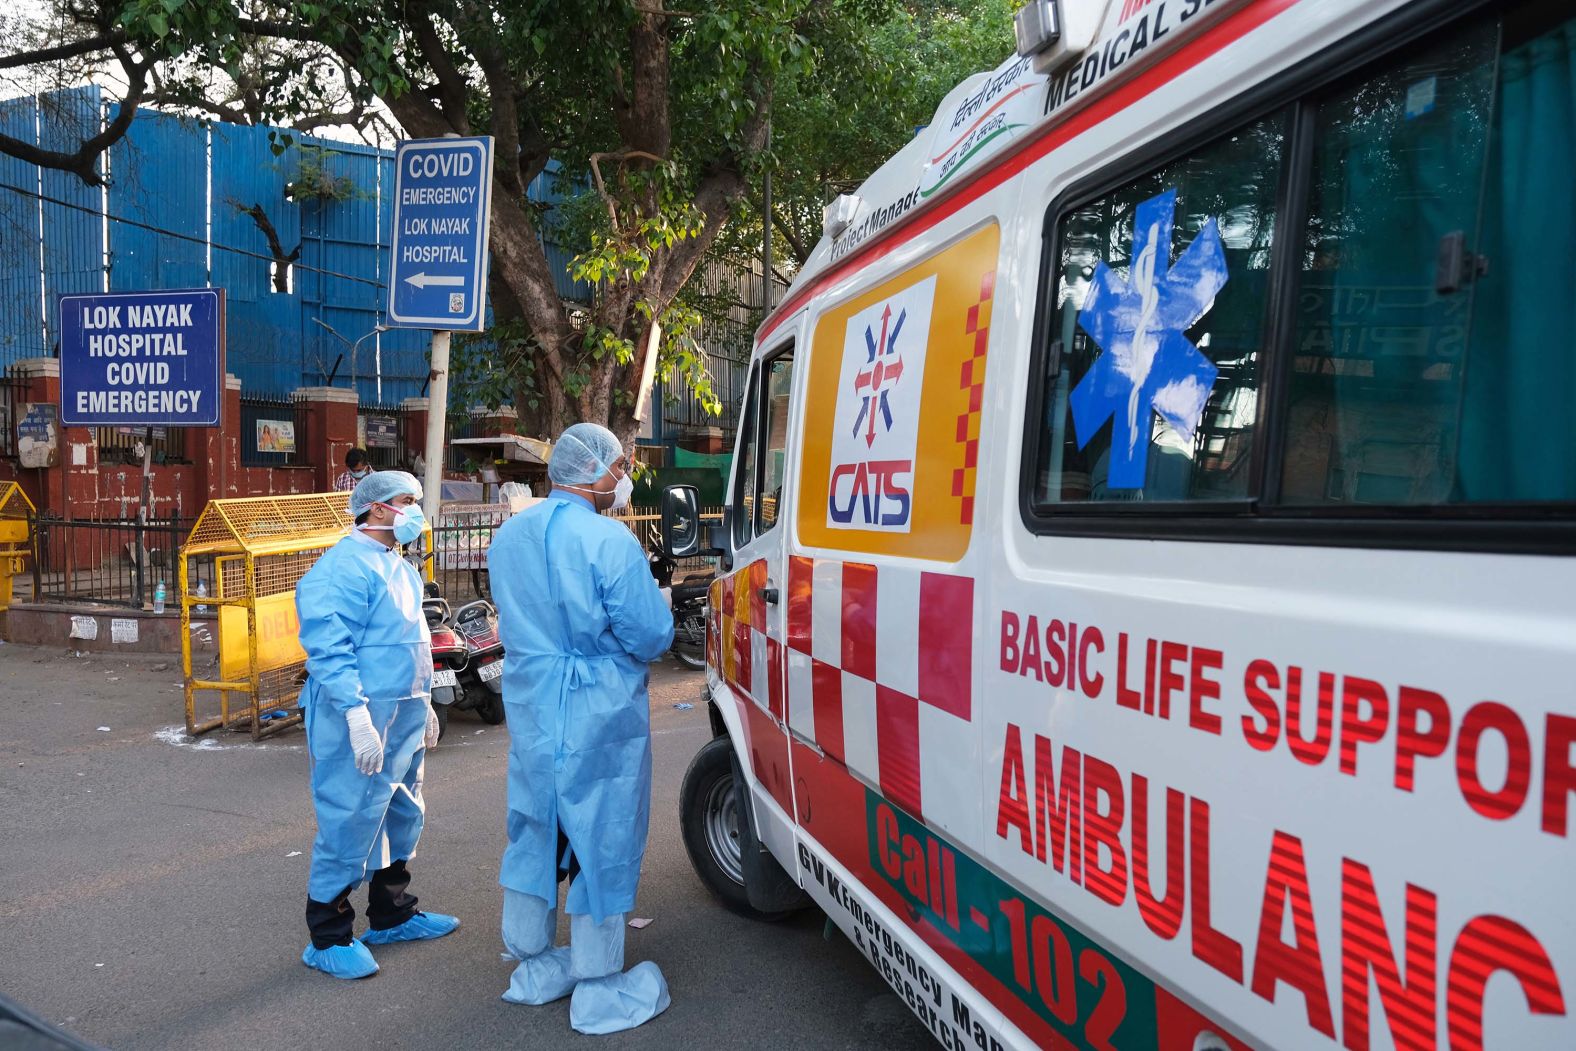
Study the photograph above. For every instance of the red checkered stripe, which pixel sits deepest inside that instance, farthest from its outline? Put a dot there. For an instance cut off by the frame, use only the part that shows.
(750, 659)
(879, 670)
(972, 380)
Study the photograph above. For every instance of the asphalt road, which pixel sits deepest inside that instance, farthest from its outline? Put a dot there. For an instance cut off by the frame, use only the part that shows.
(152, 888)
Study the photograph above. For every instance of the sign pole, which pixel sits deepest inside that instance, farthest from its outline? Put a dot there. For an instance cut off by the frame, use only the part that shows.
(438, 265)
(437, 421)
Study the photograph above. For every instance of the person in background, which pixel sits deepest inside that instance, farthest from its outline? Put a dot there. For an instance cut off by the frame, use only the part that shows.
(580, 617)
(369, 721)
(356, 468)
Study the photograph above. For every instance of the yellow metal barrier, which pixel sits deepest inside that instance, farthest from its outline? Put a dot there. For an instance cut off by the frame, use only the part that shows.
(260, 546)
(16, 537)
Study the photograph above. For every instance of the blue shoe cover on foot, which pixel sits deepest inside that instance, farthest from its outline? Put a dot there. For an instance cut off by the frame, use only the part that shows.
(541, 979)
(419, 927)
(619, 1001)
(341, 961)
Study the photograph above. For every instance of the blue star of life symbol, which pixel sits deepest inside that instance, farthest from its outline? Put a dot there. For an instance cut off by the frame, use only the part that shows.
(1148, 365)
(884, 369)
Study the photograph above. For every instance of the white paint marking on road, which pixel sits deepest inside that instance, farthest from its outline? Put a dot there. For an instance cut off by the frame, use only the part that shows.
(177, 736)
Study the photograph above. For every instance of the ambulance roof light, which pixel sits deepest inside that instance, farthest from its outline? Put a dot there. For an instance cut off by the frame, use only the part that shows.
(839, 215)
(1039, 25)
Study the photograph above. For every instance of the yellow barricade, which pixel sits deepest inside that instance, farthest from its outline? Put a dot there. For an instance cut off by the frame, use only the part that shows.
(260, 547)
(16, 537)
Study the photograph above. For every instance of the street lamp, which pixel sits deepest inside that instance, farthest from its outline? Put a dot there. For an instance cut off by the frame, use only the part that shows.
(355, 346)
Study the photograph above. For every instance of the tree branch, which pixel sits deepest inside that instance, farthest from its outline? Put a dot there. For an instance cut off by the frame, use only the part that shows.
(83, 162)
(477, 32)
(275, 248)
(453, 91)
(642, 115)
(75, 49)
(419, 116)
(720, 186)
(601, 188)
(800, 254)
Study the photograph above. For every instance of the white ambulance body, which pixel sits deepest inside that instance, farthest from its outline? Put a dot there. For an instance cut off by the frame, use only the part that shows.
(1148, 615)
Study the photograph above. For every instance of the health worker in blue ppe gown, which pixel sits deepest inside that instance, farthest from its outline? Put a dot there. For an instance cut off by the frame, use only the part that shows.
(580, 617)
(369, 722)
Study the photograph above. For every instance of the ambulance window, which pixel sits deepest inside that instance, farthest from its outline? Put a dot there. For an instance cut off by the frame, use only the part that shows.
(1175, 264)
(1433, 360)
(777, 385)
(743, 511)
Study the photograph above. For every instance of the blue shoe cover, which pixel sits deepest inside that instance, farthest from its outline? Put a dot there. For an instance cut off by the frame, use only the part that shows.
(341, 961)
(419, 927)
(541, 979)
(619, 1001)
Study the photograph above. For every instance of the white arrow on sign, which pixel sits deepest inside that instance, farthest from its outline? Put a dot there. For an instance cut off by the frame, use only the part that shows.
(423, 280)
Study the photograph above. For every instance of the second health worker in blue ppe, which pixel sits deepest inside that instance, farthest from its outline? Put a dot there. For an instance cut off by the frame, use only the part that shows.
(369, 722)
(580, 617)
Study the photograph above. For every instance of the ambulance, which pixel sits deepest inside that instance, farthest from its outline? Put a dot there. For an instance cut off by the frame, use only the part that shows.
(1148, 608)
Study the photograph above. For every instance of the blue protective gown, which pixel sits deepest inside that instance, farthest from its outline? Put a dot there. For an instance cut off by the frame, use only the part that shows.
(366, 642)
(580, 617)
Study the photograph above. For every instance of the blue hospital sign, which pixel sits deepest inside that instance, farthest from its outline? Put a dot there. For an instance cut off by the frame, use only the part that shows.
(142, 359)
(442, 204)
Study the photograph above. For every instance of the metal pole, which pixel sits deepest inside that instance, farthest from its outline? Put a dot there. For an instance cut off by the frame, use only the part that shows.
(142, 516)
(766, 223)
(437, 418)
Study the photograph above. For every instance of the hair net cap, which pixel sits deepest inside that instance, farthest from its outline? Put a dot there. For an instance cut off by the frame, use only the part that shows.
(380, 487)
(582, 453)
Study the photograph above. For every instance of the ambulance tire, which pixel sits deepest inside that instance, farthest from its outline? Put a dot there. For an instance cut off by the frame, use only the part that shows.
(709, 816)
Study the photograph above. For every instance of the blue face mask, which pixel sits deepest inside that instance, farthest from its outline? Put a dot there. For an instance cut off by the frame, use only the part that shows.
(408, 522)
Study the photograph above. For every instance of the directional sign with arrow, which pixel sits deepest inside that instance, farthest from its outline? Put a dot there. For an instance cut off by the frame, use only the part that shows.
(424, 280)
(442, 208)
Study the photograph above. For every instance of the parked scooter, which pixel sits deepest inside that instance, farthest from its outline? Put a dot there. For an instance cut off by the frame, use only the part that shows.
(450, 654)
(481, 680)
(689, 612)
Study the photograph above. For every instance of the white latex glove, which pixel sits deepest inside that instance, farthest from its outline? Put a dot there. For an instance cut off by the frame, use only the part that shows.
(667, 596)
(364, 740)
(430, 738)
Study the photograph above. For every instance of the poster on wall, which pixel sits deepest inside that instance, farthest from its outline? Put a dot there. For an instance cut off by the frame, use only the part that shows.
(276, 436)
(37, 436)
(382, 433)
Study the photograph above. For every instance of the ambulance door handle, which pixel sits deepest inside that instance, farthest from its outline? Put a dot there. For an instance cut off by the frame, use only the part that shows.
(769, 595)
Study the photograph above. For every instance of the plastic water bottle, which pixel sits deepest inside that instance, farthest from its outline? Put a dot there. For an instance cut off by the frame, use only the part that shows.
(158, 598)
(202, 592)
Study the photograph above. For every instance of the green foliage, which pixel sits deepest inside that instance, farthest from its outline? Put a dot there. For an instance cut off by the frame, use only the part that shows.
(494, 368)
(315, 182)
(871, 94)
(845, 82)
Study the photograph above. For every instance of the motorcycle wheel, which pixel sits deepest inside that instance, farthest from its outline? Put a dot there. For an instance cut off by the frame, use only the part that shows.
(491, 709)
(689, 639)
(443, 719)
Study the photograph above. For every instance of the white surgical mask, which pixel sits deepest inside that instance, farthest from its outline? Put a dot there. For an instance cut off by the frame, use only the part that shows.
(622, 492)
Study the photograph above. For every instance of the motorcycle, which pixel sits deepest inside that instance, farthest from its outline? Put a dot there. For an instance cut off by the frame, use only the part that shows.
(481, 680)
(689, 612)
(450, 655)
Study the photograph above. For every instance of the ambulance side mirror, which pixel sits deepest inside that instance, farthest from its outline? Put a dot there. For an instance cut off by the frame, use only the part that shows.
(681, 535)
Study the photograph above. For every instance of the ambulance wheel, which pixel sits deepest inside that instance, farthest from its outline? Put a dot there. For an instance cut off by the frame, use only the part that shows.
(491, 709)
(442, 711)
(710, 818)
